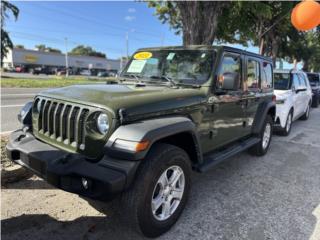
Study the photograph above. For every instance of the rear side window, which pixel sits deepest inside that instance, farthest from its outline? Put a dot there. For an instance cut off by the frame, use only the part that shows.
(303, 80)
(296, 80)
(266, 75)
(253, 74)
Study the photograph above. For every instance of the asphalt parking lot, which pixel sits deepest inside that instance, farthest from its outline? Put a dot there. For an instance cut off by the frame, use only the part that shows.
(273, 197)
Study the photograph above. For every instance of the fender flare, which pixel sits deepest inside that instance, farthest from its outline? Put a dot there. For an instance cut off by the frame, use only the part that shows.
(150, 130)
(261, 114)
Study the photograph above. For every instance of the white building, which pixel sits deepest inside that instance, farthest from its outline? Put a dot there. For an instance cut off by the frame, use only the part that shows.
(32, 58)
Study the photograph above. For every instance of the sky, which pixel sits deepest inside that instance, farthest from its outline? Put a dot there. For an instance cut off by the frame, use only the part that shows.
(101, 25)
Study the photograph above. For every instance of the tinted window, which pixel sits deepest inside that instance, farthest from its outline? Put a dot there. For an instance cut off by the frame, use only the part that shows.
(231, 66)
(253, 74)
(266, 75)
(281, 81)
(314, 79)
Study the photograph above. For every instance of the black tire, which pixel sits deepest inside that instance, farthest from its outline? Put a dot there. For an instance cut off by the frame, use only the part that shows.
(306, 115)
(315, 101)
(287, 129)
(260, 148)
(136, 202)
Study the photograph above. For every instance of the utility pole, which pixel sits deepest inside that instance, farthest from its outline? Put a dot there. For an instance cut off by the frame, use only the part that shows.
(127, 45)
(67, 64)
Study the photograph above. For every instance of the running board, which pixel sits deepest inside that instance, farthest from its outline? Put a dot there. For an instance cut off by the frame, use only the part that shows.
(215, 158)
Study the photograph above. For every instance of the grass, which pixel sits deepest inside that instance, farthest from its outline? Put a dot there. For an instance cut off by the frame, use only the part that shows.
(47, 83)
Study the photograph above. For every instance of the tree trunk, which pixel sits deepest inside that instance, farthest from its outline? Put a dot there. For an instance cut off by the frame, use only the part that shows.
(305, 65)
(295, 63)
(199, 21)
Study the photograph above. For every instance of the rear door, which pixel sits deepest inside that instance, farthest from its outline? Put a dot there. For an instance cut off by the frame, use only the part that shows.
(297, 96)
(251, 89)
(305, 97)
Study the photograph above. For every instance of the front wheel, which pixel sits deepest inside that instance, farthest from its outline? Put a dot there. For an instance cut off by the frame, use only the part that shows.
(160, 191)
(286, 130)
(265, 136)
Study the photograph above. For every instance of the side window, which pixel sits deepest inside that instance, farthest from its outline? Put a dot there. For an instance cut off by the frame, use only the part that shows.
(296, 81)
(266, 75)
(230, 67)
(303, 80)
(253, 74)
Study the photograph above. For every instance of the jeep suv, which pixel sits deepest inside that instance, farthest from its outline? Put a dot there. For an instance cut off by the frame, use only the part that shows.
(173, 110)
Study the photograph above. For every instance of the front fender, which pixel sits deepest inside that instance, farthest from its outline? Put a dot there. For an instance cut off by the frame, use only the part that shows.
(150, 130)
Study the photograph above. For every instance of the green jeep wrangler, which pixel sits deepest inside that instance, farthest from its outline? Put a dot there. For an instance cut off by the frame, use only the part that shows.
(171, 110)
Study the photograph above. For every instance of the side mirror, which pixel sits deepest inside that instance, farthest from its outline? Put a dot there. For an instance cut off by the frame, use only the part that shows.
(229, 81)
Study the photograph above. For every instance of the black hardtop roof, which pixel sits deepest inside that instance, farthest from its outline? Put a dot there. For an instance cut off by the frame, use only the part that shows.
(207, 47)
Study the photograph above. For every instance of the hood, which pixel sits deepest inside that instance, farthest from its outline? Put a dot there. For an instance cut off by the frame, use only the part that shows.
(282, 94)
(134, 99)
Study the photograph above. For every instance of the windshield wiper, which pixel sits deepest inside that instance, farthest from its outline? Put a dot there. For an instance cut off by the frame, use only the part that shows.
(165, 78)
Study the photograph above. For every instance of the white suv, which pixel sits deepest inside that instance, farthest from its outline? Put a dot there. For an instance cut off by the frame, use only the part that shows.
(293, 98)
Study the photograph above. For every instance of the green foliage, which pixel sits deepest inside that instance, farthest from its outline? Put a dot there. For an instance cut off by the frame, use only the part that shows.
(20, 46)
(45, 83)
(6, 42)
(82, 50)
(197, 21)
(44, 48)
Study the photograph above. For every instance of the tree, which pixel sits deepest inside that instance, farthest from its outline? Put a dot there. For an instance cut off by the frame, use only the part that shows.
(82, 50)
(44, 48)
(303, 46)
(20, 46)
(6, 42)
(40, 47)
(196, 20)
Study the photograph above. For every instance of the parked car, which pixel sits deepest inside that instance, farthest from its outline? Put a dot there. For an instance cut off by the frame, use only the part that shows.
(85, 72)
(314, 79)
(105, 74)
(20, 69)
(142, 137)
(294, 98)
(41, 70)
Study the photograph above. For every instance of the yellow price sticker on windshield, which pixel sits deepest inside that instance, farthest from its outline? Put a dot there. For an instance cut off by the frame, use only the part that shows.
(142, 55)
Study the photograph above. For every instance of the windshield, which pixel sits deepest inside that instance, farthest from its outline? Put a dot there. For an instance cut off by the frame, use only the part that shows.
(176, 66)
(281, 81)
(314, 79)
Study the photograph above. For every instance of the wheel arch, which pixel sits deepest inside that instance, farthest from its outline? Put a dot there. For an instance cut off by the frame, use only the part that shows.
(178, 131)
(264, 109)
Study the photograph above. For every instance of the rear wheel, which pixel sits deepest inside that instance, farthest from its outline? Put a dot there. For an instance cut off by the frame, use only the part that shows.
(265, 136)
(160, 191)
(287, 129)
(306, 115)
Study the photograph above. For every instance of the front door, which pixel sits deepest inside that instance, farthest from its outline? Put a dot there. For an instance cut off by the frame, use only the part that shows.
(226, 110)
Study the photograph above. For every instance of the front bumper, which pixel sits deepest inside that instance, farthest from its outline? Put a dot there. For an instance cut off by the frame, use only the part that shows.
(106, 178)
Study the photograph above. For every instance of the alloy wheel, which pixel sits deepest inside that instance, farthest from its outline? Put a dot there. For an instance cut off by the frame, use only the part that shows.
(167, 193)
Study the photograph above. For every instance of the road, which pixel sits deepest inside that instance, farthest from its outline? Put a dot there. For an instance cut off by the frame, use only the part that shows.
(251, 198)
(12, 100)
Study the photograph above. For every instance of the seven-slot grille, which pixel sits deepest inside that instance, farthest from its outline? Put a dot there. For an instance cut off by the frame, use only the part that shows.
(62, 121)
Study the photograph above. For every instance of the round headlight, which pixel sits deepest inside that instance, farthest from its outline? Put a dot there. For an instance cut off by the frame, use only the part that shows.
(103, 123)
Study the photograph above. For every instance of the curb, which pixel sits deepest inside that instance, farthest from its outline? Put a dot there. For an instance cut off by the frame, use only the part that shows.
(14, 174)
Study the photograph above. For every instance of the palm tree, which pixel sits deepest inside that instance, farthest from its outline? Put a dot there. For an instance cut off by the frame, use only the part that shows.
(6, 42)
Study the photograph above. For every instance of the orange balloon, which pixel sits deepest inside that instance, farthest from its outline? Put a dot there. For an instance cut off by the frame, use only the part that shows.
(306, 15)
